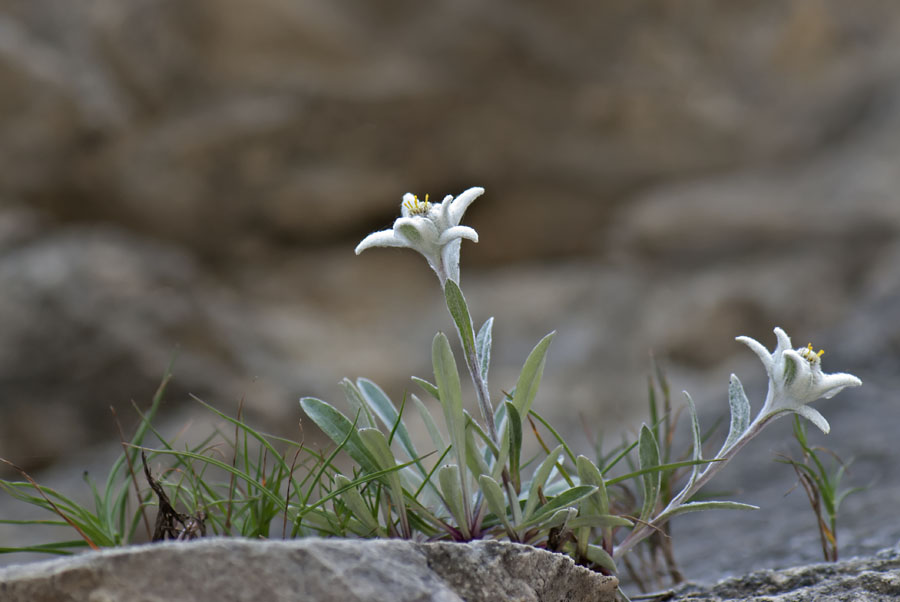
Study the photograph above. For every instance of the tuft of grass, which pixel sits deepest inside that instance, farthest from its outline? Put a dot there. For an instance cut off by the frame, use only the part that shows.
(822, 487)
(113, 519)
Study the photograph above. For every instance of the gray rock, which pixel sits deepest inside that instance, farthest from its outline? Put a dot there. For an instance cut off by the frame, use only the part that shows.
(317, 570)
(238, 123)
(872, 579)
(90, 304)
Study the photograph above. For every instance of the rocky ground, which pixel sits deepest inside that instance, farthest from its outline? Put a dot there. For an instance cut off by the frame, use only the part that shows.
(330, 570)
(191, 181)
(873, 578)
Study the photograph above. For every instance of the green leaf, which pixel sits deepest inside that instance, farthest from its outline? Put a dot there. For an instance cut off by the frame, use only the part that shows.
(449, 479)
(530, 377)
(384, 408)
(491, 450)
(560, 518)
(600, 520)
(697, 454)
(354, 501)
(710, 505)
(740, 412)
(447, 378)
(540, 479)
(430, 424)
(477, 465)
(377, 444)
(589, 474)
(427, 387)
(514, 426)
(503, 456)
(601, 558)
(568, 498)
(648, 458)
(483, 347)
(338, 428)
(357, 404)
(496, 502)
(303, 510)
(459, 311)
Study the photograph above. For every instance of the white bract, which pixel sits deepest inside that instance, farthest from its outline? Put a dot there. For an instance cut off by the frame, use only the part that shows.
(796, 379)
(432, 229)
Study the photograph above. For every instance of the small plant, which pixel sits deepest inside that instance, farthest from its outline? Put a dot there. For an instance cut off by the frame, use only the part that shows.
(822, 487)
(567, 502)
(473, 479)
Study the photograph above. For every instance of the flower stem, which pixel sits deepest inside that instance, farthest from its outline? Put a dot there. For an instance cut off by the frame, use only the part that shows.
(711, 470)
(472, 363)
(484, 399)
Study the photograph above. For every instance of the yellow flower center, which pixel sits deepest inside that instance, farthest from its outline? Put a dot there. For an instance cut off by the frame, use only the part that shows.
(417, 207)
(810, 354)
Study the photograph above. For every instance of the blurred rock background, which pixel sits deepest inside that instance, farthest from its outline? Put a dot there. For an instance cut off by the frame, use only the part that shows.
(190, 179)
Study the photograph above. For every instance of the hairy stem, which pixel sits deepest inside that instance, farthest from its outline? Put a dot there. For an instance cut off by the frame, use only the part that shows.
(484, 398)
(711, 470)
(474, 366)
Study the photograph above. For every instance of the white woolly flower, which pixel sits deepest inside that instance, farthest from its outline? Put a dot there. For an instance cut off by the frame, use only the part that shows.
(796, 379)
(432, 229)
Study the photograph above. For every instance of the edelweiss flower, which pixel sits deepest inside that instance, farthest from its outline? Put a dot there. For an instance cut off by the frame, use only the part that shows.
(432, 229)
(796, 379)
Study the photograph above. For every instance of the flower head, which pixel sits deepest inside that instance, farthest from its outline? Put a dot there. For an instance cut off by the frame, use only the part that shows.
(796, 379)
(432, 229)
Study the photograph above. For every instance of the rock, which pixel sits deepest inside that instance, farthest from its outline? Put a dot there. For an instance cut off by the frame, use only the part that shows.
(91, 304)
(873, 579)
(306, 122)
(318, 570)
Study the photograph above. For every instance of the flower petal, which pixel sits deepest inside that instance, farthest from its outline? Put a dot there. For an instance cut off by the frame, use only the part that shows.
(419, 232)
(408, 201)
(832, 384)
(458, 206)
(815, 417)
(458, 232)
(382, 238)
(795, 368)
(764, 356)
(450, 258)
(784, 341)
